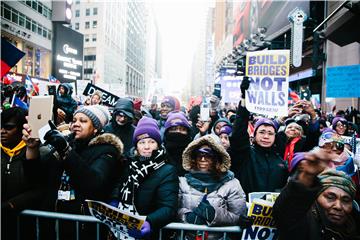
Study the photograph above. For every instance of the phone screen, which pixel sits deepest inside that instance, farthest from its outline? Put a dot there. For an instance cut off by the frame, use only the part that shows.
(217, 90)
(204, 112)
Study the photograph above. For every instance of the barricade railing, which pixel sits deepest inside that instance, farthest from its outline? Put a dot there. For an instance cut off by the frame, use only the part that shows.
(182, 227)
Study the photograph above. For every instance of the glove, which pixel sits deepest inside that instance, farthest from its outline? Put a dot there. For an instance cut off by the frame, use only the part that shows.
(114, 203)
(57, 140)
(214, 102)
(245, 84)
(144, 232)
(193, 218)
(245, 221)
(205, 210)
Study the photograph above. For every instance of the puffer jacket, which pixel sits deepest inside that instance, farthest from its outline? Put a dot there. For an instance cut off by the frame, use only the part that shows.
(228, 200)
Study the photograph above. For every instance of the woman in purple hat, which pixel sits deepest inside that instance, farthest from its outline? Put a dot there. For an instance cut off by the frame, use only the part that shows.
(148, 177)
(340, 125)
(258, 167)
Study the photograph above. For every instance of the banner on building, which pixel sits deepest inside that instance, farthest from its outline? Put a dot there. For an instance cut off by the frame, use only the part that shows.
(108, 98)
(268, 72)
(343, 81)
(118, 221)
(260, 210)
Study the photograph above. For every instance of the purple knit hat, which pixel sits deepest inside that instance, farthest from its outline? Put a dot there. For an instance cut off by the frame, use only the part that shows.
(147, 128)
(264, 121)
(176, 119)
(225, 129)
(337, 119)
(298, 157)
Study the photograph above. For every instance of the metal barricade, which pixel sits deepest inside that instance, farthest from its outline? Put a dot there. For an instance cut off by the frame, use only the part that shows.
(182, 227)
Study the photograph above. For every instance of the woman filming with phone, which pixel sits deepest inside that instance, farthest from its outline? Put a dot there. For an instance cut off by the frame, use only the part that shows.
(82, 166)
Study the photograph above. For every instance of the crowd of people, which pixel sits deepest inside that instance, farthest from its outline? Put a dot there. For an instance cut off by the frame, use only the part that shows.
(169, 165)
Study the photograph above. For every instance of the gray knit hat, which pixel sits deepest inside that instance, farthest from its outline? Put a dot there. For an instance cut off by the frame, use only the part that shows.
(99, 115)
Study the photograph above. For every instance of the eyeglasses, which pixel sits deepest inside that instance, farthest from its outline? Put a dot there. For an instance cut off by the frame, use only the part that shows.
(8, 126)
(341, 125)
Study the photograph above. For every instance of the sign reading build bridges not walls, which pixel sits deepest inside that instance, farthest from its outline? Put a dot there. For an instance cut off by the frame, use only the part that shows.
(269, 82)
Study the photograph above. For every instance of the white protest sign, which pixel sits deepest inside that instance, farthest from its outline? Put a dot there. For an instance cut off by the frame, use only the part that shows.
(263, 227)
(269, 84)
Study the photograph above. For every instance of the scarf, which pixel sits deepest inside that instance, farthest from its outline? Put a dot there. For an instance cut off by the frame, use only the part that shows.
(205, 180)
(139, 169)
(289, 150)
(15, 151)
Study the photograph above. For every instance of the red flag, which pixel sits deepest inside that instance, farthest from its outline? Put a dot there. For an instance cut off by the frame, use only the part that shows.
(10, 55)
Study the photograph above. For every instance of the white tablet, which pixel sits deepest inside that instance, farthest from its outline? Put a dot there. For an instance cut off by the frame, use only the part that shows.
(40, 112)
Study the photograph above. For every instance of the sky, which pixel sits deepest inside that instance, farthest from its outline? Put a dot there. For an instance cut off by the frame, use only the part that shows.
(179, 24)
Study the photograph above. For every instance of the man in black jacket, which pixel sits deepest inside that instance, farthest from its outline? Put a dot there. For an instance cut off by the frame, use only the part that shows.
(121, 123)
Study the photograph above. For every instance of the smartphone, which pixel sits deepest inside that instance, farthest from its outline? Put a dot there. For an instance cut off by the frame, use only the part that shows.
(40, 112)
(204, 112)
(217, 90)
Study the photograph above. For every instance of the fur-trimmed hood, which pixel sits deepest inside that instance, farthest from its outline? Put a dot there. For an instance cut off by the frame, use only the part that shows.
(108, 138)
(211, 142)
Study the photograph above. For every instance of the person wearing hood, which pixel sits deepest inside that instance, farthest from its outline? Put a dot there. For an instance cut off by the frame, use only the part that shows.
(209, 193)
(317, 202)
(65, 102)
(258, 167)
(121, 123)
(82, 166)
(176, 139)
(168, 104)
(149, 185)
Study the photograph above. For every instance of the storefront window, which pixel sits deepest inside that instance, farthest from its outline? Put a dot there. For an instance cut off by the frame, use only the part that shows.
(37, 62)
(28, 60)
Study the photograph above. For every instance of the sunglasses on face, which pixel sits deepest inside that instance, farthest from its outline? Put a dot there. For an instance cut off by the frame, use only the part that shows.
(206, 156)
(338, 145)
(8, 126)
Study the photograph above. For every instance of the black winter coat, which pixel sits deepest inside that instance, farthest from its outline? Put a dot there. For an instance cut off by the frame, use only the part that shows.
(258, 169)
(297, 216)
(125, 133)
(92, 168)
(20, 188)
(156, 197)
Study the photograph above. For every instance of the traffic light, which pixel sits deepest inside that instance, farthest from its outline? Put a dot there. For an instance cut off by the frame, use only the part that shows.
(61, 11)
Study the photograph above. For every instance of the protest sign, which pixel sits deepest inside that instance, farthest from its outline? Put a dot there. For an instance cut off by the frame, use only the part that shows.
(108, 98)
(268, 72)
(342, 81)
(260, 210)
(118, 221)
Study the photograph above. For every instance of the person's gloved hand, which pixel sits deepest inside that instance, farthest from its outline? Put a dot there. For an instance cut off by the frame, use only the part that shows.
(245, 221)
(245, 84)
(57, 140)
(144, 232)
(214, 102)
(114, 203)
(193, 218)
(205, 210)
